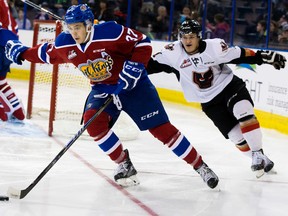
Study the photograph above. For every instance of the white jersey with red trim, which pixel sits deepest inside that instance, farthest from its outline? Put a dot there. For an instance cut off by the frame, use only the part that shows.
(202, 75)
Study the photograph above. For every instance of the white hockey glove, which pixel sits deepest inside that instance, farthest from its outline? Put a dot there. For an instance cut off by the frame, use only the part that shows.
(273, 58)
(130, 74)
(13, 50)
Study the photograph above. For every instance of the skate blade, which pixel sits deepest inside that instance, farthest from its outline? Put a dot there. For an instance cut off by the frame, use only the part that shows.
(16, 121)
(271, 172)
(128, 182)
(259, 173)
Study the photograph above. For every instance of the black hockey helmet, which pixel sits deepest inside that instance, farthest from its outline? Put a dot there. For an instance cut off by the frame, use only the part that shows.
(190, 26)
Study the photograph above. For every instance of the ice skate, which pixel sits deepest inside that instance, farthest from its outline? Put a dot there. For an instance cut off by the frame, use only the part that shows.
(3, 115)
(125, 174)
(261, 163)
(13, 120)
(268, 166)
(208, 176)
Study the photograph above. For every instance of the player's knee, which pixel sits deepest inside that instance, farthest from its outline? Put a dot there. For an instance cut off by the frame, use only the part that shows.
(166, 133)
(243, 109)
(99, 127)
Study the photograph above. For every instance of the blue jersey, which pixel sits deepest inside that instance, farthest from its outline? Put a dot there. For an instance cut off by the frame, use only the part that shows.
(101, 60)
(5, 35)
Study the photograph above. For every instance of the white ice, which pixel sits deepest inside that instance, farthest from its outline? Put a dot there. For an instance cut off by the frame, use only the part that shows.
(81, 182)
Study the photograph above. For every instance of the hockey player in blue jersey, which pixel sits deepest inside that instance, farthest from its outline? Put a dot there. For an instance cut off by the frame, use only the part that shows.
(10, 106)
(112, 56)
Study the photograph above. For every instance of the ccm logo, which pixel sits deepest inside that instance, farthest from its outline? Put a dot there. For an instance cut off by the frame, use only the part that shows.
(134, 69)
(150, 115)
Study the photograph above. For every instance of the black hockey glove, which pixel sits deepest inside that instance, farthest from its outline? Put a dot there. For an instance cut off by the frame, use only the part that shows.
(273, 58)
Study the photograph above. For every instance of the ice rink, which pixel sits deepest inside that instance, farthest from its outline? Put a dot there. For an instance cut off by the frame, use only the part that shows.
(81, 182)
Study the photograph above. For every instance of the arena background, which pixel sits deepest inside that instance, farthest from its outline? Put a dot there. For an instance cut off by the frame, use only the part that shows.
(268, 87)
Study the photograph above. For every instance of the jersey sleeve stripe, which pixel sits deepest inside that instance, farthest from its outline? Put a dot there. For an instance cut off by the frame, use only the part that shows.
(42, 53)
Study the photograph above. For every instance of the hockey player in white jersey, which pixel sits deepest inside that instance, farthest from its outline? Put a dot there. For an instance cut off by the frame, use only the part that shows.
(201, 70)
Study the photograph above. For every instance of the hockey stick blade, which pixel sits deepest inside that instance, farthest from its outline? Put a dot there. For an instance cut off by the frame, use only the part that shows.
(14, 193)
(20, 194)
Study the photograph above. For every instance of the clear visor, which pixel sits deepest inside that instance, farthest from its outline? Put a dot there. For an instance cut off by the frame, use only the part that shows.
(87, 23)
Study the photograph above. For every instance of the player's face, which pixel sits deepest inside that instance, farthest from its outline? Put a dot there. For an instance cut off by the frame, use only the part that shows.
(78, 32)
(190, 43)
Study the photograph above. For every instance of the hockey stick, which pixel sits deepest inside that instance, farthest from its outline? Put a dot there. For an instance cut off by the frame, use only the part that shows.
(32, 4)
(19, 194)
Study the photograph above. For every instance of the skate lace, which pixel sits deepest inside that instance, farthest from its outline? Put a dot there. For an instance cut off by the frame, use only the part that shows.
(257, 157)
(123, 167)
(205, 172)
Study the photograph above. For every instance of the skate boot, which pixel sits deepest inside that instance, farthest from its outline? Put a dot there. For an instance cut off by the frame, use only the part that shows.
(3, 115)
(260, 163)
(208, 176)
(125, 174)
(268, 165)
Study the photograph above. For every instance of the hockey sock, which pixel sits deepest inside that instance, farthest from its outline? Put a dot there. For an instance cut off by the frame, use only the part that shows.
(251, 132)
(236, 136)
(244, 148)
(103, 136)
(3, 115)
(177, 142)
(10, 101)
(183, 149)
(249, 125)
(112, 146)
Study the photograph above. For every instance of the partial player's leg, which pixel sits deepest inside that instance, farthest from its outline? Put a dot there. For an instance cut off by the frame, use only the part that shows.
(178, 143)
(235, 119)
(250, 128)
(149, 113)
(236, 136)
(11, 103)
(3, 115)
(107, 140)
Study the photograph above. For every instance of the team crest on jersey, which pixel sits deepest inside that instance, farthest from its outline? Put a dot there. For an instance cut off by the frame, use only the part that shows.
(169, 46)
(83, 7)
(186, 63)
(72, 54)
(97, 70)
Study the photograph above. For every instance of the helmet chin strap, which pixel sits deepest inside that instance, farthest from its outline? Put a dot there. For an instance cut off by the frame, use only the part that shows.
(88, 30)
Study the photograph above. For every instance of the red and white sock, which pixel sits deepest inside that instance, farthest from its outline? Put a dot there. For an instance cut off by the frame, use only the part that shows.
(10, 101)
(3, 115)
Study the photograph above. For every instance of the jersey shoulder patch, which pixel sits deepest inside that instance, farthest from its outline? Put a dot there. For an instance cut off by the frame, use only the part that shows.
(107, 31)
(64, 39)
(215, 45)
(172, 47)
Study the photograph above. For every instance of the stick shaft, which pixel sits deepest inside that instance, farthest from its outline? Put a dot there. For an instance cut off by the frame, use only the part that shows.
(32, 4)
(24, 192)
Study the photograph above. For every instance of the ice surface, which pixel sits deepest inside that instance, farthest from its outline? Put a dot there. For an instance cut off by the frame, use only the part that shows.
(81, 182)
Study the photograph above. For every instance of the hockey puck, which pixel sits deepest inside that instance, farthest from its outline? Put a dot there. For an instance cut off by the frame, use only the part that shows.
(4, 198)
